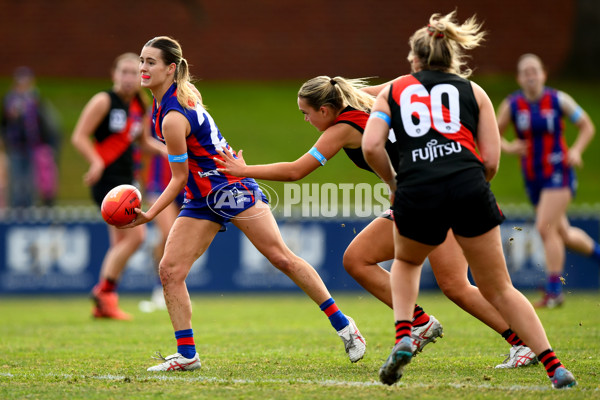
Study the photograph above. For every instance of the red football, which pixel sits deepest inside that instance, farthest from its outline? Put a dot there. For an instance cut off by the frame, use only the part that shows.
(118, 206)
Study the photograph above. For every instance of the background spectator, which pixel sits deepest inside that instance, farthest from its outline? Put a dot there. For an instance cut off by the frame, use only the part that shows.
(30, 139)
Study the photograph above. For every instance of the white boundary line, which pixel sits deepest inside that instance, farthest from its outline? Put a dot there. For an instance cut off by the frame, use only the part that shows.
(329, 382)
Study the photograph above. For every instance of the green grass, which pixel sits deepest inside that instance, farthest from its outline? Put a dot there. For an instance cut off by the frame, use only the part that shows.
(277, 347)
(263, 119)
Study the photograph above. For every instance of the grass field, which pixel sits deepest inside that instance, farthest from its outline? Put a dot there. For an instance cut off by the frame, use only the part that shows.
(277, 347)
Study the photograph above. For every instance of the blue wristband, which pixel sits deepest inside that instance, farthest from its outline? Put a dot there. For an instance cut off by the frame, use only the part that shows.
(320, 157)
(179, 158)
(577, 114)
(383, 116)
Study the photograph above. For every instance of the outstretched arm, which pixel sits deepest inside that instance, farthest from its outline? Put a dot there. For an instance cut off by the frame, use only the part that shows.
(330, 142)
(282, 171)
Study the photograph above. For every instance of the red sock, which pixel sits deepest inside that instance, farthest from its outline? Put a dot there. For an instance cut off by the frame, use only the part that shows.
(403, 328)
(512, 338)
(420, 317)
(550, 361)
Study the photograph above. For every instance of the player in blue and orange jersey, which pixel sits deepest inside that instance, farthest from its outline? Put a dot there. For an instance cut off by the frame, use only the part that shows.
(339, 108)
(115, 119)
(212, 199)
(537, 113)
(449, 149)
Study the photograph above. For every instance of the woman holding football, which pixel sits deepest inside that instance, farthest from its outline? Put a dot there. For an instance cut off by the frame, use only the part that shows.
(212, 200)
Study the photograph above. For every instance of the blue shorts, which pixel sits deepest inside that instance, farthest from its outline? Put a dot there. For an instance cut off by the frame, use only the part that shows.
(559, 179)
(224, 203)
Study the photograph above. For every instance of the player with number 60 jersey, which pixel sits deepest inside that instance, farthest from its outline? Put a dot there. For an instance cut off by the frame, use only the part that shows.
(449, 145)
(339, 108)
(437, 126)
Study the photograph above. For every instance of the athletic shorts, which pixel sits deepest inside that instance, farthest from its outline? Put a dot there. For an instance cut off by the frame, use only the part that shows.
(463, 202)
(559, 179)
(222, 205)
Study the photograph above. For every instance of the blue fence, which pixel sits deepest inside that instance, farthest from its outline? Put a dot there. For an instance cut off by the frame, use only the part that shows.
(46, 256)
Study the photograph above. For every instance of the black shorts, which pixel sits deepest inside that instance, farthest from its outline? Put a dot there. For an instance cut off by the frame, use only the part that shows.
(105, 185)
(463, 202)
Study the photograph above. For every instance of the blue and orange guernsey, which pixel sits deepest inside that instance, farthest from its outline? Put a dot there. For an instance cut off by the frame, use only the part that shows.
(202, 143)
(540, 124)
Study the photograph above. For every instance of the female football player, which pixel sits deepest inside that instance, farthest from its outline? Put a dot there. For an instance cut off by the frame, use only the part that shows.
(212, 199)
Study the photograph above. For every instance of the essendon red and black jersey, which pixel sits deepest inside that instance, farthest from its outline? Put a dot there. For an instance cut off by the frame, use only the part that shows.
(114, 136)
(358, 120)
(434, 117)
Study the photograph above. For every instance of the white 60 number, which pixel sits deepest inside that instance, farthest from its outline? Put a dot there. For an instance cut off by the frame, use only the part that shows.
(410, 104)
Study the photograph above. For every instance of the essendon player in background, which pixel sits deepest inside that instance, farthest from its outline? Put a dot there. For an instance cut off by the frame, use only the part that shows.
(449, 148)
(113, 120)
(537, 113)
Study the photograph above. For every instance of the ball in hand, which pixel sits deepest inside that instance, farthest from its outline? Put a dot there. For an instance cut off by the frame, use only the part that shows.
(118, 206)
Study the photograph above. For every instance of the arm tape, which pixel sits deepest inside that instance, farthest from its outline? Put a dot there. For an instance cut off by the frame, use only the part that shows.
(383, 116)
(179, 158)
(320, 157)
(576, 116)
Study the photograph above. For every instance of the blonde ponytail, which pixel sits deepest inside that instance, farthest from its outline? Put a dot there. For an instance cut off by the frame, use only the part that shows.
(441, 44)
(336, 93)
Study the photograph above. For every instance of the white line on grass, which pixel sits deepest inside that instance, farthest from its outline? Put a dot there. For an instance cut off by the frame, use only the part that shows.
(328, 382)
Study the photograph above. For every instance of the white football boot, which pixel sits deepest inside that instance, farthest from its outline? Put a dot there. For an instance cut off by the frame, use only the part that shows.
(422, 335)
(354, 343)
(519, 356)
(176, 362)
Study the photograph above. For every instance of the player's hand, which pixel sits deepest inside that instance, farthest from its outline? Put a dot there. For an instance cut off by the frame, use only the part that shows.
(574, 158)
(141, 219)
(94, 173)
(517, 147)
(230, 164)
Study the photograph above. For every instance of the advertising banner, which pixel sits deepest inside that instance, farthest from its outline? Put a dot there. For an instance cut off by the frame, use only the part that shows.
(51, 257)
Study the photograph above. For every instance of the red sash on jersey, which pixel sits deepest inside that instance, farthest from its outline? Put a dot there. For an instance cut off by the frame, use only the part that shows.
(111, 148)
